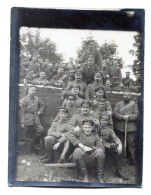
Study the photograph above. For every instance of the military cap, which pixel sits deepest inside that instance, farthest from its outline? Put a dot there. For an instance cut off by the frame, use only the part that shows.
(63, 109)
(31, 86)
(86, 102)
(104, 116)
(127, 91)
(98, 89)
(75, 85)
(101, 101)
(71, 95)
(127, 72)
(98, 73)
(88, 122)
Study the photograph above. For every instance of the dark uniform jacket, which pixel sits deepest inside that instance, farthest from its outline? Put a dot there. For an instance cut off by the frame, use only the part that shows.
(108, 137)
(127, 81)
(136, 86)
(121, 109)
(90, 140)
(115, 74)
(29, 108)
(97, 58)
(89, 72)
(57, 128)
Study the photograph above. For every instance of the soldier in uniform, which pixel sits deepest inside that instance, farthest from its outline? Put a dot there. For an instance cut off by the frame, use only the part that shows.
(89, 150)
(78, 81)
(89, 69)
(115, 74)
(31, 107)
(76, 120)
(42, 80)
(126, 111)
(136, 85)
(70, 104)
(127, 80)
(94, 53)
(98, 82)
(108, 85)
(55, 134)
(112, 144)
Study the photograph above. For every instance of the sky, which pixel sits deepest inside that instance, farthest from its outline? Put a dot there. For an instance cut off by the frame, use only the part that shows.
(68, 41)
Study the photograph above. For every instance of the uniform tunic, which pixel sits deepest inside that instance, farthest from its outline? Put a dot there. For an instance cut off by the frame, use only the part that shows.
(118, 114)
(127, 81)
(115, 75)
(89, 72)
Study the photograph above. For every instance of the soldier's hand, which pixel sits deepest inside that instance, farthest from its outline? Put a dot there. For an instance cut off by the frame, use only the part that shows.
(126, 117)
(22, 126)
(77, 129)
(119, 149)
(87, 149)
(56, 146)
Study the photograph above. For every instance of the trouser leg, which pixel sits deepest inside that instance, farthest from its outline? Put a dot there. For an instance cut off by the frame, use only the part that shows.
(131, 147)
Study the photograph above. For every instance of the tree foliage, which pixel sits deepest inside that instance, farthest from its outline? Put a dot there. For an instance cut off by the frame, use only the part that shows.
(31, 44)
(108, 50)
(136, 52)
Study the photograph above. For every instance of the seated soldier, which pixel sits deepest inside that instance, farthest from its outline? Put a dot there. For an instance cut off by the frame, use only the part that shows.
(101, 110)
(70, 105)
(78, 81)
(98, 82)
(75, 91)
(100, 93)
(76, 120)
(59, 79)
(56, 133)
(112, 144)
(31, 108)
(108, 85)
(89, 150)
(42, 80)
(89, 69)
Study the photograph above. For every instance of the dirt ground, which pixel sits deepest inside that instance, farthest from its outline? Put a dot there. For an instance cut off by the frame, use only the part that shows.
(29, 168)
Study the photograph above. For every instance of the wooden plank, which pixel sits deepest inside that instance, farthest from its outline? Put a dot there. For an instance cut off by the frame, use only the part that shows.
(62, 165)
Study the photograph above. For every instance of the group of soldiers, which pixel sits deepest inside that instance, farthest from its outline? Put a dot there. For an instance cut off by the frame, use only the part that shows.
(86, 129)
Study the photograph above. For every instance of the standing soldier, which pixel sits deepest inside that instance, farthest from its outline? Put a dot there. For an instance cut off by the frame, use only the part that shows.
(136, 85)
(89, 69)
(115, 74)
(127, 80)
(126, 113)
(89, 150)
(93, 53)
(31, 108)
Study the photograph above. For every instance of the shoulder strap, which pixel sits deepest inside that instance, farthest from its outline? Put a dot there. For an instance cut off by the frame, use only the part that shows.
(127, 107)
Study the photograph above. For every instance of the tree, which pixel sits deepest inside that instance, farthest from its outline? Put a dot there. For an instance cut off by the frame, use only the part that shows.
(108, 50)
(136, 52)
(31, 43)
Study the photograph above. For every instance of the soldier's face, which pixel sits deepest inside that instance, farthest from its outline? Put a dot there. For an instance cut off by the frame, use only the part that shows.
(108, 83)
(127, 97)
(75, 90)
(78, 76)
(87, 129)
(70, 101)
(85, 109)
(127, 74)
(91, 46)
(97, 78)
(42, 75)
(101, 106)
(104, 122)
(99, 94)
(63, 115)
(32, 91)
(90, 61)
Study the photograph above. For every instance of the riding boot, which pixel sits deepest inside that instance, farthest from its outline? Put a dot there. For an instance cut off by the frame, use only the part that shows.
(83, 170)
(49, 157)
(100, 169)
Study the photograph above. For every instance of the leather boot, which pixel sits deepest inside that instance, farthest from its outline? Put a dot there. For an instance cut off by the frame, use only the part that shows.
(83, 170)
(100, 169)
(49, 158)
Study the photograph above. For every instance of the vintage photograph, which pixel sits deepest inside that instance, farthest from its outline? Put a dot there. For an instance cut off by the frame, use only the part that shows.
(79, 106)
(78, 94)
